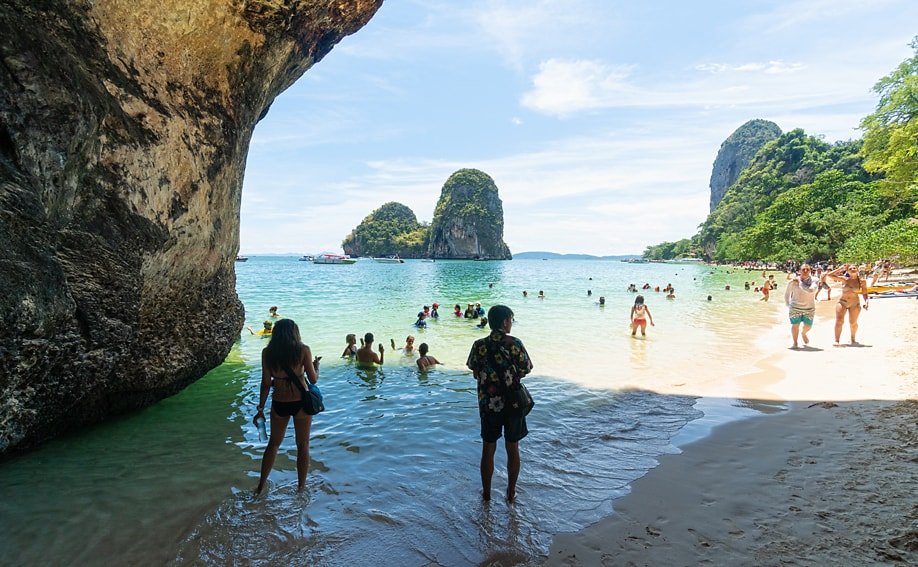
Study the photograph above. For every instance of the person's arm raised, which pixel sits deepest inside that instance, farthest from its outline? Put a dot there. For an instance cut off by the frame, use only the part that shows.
(835, 273)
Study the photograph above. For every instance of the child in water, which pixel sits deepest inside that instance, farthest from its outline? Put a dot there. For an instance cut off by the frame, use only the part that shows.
(639, 315)
(409, 344)
(265, 331)
(421, 323)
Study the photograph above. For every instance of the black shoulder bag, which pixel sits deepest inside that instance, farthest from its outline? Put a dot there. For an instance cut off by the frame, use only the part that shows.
(518, 401)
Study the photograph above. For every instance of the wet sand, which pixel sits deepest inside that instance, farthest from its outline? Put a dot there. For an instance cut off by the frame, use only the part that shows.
(830, 481)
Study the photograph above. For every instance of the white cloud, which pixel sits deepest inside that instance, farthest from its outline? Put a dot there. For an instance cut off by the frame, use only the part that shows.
(564, 87)
(771, 67)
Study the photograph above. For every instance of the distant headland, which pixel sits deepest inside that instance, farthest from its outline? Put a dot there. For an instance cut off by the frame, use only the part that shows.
(468, 223)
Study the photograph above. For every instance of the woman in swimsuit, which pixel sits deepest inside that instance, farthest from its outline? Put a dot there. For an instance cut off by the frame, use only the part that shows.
(350, 349)
(639, 315)
(849, 302)
(286, 364)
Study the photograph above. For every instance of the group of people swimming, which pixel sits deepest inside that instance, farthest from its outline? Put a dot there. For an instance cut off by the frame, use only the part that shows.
(366, 356)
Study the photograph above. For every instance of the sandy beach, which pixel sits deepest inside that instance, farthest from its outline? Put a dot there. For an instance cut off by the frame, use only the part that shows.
(832, 480)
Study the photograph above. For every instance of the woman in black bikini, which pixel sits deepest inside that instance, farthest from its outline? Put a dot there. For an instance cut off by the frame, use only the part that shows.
(286, 364)
(849, 301)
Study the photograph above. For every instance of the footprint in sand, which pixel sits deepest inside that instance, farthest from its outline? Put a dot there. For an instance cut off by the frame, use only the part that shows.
(701, 540)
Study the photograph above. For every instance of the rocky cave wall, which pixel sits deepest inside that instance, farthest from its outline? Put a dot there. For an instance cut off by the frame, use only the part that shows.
(124, 128)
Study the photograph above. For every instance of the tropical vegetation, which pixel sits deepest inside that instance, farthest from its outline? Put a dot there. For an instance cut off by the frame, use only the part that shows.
(391, 229)
(801, 198)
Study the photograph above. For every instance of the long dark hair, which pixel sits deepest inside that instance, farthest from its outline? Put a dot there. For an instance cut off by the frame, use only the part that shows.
(285, 345)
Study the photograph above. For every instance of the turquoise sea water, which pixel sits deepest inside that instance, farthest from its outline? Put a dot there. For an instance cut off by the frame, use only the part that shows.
(394, 459)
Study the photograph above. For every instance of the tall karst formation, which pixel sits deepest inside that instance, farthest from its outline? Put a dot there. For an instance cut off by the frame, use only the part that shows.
(124, 128)
(736, 152)
(468, 220)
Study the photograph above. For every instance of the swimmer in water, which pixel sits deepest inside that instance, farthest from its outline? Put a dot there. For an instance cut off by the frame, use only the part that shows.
(351, 348)
(265, 331)
(425, 361)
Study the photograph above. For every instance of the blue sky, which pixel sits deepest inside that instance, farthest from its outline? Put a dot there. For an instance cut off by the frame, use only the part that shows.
(598, 120)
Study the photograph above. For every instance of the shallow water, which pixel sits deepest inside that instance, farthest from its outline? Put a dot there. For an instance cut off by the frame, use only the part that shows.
(394, 473)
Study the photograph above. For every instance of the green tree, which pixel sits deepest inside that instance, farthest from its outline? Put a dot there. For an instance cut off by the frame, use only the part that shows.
(391, 229)
(898, 240)
(685, 248)
(891, 133)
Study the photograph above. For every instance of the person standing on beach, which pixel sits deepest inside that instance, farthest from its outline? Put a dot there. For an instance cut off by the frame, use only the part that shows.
(286, 364)
(800, 298)
(497, 362)
(365, 354)
(849, 302)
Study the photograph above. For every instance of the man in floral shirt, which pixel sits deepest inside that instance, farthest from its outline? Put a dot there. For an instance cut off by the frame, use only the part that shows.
(498, 361)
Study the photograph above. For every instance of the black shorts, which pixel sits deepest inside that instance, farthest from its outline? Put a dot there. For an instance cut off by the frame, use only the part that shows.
(514, 428)
(287, 409)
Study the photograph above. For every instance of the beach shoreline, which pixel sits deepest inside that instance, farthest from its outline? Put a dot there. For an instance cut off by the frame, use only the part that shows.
(830, 480)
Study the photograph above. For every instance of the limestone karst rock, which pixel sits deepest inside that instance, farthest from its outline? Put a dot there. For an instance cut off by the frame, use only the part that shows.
(124, 128)
(468, 220)
(391, 229)
(736, 152)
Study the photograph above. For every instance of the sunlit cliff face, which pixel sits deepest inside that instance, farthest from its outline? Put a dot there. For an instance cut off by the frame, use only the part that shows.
(124, 127)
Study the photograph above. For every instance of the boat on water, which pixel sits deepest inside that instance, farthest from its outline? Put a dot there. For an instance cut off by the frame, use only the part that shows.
(306, 258)
(333, 259)
(240, 258)
(390, 260)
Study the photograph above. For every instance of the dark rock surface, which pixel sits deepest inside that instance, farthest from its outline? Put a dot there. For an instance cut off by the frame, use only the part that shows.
(468, 220)
(736, 152)
(124, 127)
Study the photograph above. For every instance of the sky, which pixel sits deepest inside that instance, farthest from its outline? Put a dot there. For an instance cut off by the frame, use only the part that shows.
(599, 120)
